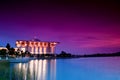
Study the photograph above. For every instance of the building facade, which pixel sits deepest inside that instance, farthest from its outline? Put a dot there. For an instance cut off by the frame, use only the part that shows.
(36, 46)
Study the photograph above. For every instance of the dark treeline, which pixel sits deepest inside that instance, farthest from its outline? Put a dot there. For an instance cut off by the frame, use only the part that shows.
(102, 54)
(10, 51)
(69, 55)
(64, 54)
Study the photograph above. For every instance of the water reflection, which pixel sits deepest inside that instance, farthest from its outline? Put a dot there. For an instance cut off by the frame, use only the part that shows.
(33, 70)
(103, 68)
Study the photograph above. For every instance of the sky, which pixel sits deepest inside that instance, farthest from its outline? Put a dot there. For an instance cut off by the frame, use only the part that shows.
(81, 27)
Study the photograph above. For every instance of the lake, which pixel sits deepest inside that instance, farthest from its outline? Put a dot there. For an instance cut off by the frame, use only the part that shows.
(96, 68)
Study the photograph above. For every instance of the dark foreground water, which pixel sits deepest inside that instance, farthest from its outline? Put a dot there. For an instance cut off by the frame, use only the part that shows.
(103, 68)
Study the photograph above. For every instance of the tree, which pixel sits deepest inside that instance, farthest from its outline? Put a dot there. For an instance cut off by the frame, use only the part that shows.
(11, 51)
(3, 52)
(63, 52)
(8, 46)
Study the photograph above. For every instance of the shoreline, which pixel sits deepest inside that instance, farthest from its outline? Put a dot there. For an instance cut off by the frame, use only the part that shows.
(49, 58)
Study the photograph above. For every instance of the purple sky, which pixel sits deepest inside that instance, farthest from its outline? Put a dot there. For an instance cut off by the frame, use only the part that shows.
(81, 27)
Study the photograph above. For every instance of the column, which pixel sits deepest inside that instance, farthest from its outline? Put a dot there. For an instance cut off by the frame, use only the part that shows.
(52, 46)
(40, 47)
(40, 50)
(36, 50)
(32, 50)
(31, 45)
(45, 45)
(44, 50)
(49, 49)
(52, 50)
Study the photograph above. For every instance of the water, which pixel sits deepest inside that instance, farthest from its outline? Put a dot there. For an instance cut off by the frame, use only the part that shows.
(103, 68)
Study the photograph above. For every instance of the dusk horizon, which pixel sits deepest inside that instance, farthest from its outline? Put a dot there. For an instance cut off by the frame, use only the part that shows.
(81, 27)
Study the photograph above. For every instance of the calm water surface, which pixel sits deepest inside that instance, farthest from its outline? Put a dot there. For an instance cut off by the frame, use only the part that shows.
(106, 68)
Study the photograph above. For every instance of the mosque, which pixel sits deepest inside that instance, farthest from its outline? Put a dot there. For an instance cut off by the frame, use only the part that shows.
(36, 46)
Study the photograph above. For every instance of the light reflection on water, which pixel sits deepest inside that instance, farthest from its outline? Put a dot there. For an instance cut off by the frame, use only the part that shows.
(34, 70)
(99, 68)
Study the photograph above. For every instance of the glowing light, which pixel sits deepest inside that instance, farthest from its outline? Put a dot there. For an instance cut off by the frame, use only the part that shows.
(20, 41)
(54, 43)
(17, 42)
(36, 68)
(20, 65)
(40, 70)
(23, 49)
(18, 45)
(25, 44)
(16, 49)
(44, 69)
(31, 68)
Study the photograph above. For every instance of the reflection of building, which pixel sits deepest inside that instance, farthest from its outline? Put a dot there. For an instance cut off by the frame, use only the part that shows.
(42, 69)
(34, 70)
(36, 46)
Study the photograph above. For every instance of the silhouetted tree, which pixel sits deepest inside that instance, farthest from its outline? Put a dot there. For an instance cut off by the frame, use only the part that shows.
(11, 51)
(3, 52)
(8, 46)
(22, 54)
(17, 52)
(63, 52)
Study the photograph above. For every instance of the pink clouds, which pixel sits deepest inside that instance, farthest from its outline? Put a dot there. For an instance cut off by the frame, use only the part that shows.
(101, 43)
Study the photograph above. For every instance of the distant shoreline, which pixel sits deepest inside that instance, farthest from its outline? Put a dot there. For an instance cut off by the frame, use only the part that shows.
(68, 55)
(64, 55)
(52, 58)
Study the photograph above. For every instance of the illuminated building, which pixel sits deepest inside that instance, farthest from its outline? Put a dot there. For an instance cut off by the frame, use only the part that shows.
(36, 46)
